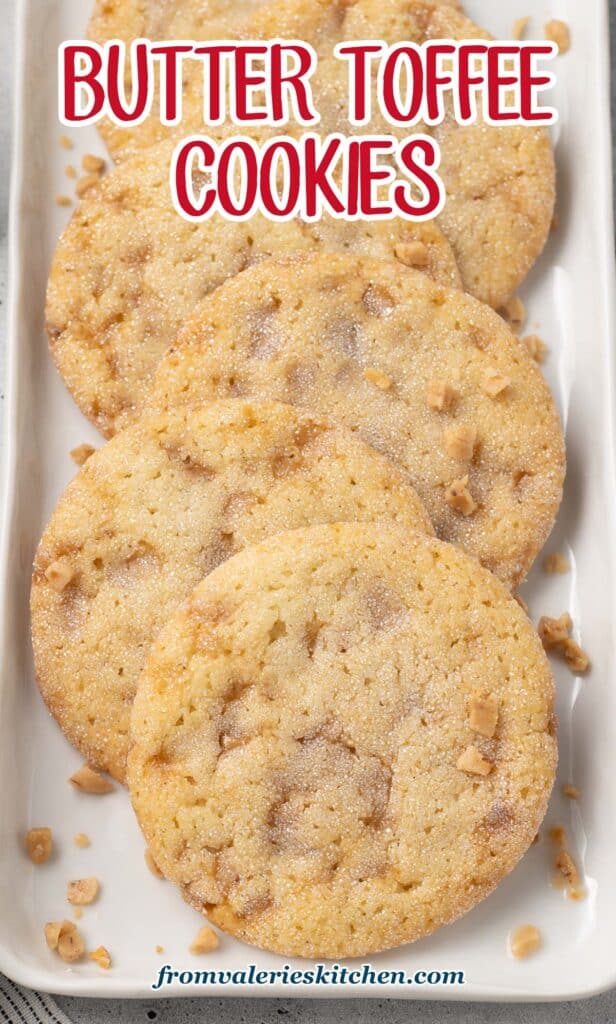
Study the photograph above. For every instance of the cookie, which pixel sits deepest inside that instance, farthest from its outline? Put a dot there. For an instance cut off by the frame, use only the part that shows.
(174, 19)
(343, 740)
(181, 19)
(500, 181)
(501, 192)
(429, 376)
(149, 514)
(128, 271)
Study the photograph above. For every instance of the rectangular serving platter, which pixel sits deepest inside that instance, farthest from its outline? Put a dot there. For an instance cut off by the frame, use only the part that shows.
(570, 302)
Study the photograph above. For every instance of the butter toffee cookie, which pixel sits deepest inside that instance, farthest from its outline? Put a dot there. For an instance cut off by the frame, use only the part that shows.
(159, 506)
(129, 20)
(499, 180)
(128, 271)
(426, 375)
(343, 740)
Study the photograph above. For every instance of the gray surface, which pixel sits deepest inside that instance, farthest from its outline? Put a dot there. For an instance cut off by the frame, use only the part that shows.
(601, 1010)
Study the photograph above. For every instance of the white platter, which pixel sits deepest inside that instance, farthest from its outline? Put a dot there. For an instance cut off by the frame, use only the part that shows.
(570, 298)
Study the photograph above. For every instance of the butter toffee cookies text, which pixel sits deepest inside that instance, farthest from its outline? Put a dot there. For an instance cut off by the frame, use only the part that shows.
(263, 85)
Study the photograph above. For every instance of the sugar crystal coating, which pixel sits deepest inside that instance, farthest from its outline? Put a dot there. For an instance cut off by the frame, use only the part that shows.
(297, 735)
(128, 271)
(306, 331)
(159, 506)
(499, 180)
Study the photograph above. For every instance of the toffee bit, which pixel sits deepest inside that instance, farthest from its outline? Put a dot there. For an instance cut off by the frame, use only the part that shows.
(59, 574)
(575, 656)
(524, 941)
(460, 442)
(557, 31)
(557, 834)
(555, 562)
(554, 634)
(519, 27)
(536, 348)
(440, 396)
(412, 254)
(101, 957)
(205, 942)
(484, 714)
(63, 938)
(473, 761)
(81, 453)
(514, 312)
(494, 383)
(85, 183)
(39, 845)
(378, 378)
(93, 164)
(460, 498)
(86, 780)
(82, 892)
(566, 867)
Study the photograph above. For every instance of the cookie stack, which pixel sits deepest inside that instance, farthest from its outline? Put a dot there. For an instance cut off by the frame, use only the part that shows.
(278, 602)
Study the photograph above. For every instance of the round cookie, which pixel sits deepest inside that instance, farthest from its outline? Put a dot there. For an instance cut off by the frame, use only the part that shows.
(429, 376)
(149, 514)
(172, 19)
(128, 271)
(501, 191)
(184, 19)
(500, 182)
(343, 740)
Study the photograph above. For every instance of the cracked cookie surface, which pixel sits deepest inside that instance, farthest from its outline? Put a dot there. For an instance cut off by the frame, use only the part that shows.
(159, 506)
(302, 730)
(429, 376)
(128, 271)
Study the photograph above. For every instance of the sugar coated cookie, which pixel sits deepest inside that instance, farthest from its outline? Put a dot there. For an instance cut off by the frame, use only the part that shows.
(343, 740)
(162, 20)
(429, 376)
(128, 271)
(204, 20)
(499, 180)
(153, 511)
